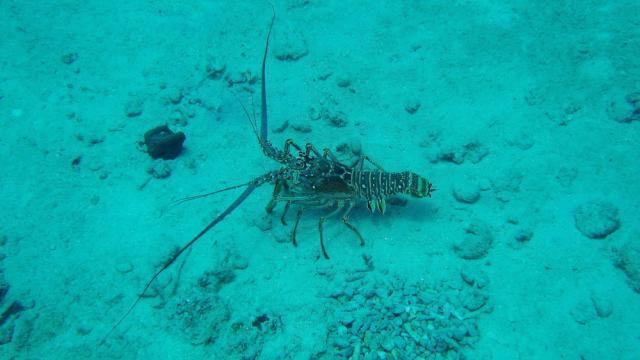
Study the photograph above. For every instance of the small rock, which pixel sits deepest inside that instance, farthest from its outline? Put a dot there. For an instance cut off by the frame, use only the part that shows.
(412, 106)
(215, 69)
(602, 304)
(159, 169)
(388, 344)
(633, 99)
(4, 287)
(520, 237)
(237, 262)
(134, 107)
(69, 58)
(281, 235)
(175, 96)
(301, 128)
(6, 333)
(625, 111)
(124, 267)
(337, 119)
(397, 201)
(473, 300)
(596, 219)
(356, 147)
(566, 176)
(281, 128)
(583, 312)
(264, 223)
(345, 317)
(627, 258)
(83, 329)
(523, 141)
(466, 191)
(475, 243)
(314, 113)
(162, 143)
(343, 82)
(340, 342)
(474, 276)
(23, 330)
(292, 47)
(473, 152)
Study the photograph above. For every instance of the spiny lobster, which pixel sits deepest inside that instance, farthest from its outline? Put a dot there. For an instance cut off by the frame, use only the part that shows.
(308, 179)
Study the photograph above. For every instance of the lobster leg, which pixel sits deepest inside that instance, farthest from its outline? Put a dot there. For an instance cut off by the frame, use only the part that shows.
(321, 222)
(288, 143)
(328, 154)
(359, 165)
(284, 213)
(274, 198)
(295, 226)
(345, 221)
(311, 149)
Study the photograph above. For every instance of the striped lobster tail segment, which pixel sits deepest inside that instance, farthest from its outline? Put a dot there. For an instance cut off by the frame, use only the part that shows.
(376, 186)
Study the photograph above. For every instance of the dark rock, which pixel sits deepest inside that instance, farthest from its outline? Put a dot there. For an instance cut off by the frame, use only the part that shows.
(163, 143)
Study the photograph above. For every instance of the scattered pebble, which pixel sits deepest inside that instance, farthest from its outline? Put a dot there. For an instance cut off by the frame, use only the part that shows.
(404, 321)
(134, 106)
(466, 191)
(475, 243)
(596, 219)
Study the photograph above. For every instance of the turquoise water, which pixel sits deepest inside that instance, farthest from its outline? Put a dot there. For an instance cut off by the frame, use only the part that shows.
(525, 116)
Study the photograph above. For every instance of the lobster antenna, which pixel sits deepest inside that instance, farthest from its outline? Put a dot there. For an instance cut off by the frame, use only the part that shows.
(200, 196)
(263, 85)
(252, 121)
